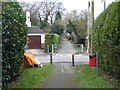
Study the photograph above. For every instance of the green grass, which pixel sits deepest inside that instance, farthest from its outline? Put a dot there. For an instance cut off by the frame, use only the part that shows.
(32, 77)
(86, 77)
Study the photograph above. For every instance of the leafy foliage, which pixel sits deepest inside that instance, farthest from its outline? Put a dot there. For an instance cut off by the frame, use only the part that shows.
(52, 39)
(77, 23)
(14, 32)
(106, 39)
(57, 28)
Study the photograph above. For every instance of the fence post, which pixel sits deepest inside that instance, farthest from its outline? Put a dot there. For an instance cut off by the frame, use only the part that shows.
(51, 58)
(96, 62)
(47, 48)
(72, 59)
(52, 48)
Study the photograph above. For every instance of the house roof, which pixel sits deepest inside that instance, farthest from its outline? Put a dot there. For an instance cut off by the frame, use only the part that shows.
(35, 30)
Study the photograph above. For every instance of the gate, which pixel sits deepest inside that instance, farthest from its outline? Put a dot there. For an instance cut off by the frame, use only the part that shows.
(64, 54)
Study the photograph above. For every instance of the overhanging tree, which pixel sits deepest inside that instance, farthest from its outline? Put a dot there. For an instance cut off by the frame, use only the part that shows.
(57, 28)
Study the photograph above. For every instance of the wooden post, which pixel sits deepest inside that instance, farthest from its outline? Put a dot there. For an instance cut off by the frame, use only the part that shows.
(73, 60)
(51, 58)
(92, 22)
(104, 4)
(96, 62)
(88, 28)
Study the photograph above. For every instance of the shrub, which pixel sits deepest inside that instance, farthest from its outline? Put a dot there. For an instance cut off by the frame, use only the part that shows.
(14, 32)
(106, 39)
(51, 39)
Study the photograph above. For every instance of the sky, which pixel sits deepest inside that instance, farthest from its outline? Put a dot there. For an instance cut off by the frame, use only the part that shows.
(80, 4)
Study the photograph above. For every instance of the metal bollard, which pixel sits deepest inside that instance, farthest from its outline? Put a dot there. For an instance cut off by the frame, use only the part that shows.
(51, 58)
(73, 60)
(52, 48)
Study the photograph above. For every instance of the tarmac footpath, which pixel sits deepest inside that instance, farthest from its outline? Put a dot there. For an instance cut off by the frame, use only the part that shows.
(62, 77)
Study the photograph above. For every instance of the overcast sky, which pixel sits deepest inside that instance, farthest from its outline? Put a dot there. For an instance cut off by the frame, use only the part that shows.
(79, 4)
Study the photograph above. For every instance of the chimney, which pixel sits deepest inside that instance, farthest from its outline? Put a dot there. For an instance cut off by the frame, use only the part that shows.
(28, 19)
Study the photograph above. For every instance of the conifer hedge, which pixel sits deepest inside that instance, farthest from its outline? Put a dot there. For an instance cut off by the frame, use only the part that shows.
(106, 39)
(14, 36)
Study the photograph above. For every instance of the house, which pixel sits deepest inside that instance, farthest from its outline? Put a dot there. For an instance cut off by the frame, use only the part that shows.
(36, 36)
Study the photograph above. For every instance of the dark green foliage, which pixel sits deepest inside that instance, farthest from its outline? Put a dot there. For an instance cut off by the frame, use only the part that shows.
(14, 32)
(57, 28)
(106, 39)
(44, 25)
(70, 27)
(51, 39)
(79, 28)
(34, 20)
(58, 16)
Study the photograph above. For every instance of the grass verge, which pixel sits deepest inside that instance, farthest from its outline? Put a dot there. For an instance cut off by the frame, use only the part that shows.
(32, 77)
(86, 77)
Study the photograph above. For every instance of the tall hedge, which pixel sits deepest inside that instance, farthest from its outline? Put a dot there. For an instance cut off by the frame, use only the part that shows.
(106, 39)
(14, 32)
(50, 39)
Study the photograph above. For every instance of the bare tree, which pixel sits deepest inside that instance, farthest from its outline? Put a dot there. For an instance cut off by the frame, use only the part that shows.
(44, 11)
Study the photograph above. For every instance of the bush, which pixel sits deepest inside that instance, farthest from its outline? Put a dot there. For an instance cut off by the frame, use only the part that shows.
(51, 39)
(57, 28)
(14, 32)
(106, 39)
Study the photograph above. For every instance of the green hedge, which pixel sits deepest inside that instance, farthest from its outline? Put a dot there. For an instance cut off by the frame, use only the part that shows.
(106, 39)
(50, 39)
(14, 36)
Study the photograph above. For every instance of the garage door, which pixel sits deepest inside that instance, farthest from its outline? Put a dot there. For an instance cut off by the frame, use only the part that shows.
(34, 42)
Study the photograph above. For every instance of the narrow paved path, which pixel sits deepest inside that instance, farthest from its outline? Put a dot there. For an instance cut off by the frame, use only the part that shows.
(66, 47)
(61, 77)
